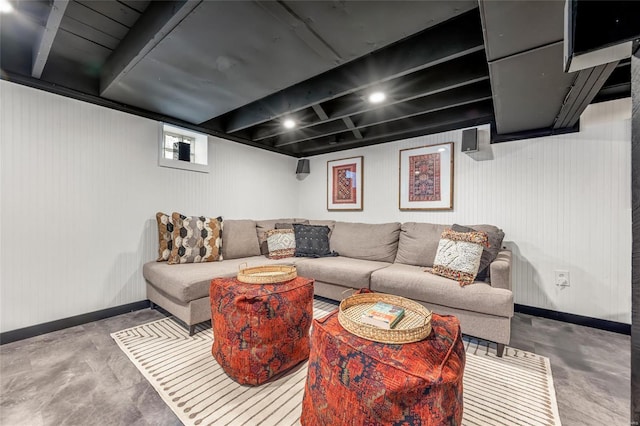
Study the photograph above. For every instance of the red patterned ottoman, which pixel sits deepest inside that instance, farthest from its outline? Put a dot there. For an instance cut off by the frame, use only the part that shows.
(354, 381)
(260, 329)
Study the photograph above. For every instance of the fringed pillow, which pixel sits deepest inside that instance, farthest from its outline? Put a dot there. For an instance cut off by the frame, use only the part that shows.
(196, 239)
(458, 255)
(281, 243)
(165, 236)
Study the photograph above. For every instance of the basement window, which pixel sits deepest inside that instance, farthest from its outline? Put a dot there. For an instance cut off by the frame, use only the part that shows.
(183, 149)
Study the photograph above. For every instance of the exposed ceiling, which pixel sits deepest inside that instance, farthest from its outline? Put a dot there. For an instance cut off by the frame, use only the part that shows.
(238, 69)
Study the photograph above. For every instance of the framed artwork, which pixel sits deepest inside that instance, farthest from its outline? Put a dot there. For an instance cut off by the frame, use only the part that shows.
(426, 178)
(344, 184)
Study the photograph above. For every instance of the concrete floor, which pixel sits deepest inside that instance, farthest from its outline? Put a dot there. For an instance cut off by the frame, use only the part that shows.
(79, 376)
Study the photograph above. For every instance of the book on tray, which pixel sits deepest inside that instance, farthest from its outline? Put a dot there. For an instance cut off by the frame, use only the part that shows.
(383, 315)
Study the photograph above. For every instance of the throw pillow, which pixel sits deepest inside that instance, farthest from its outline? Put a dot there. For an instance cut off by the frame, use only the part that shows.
(312, 241)
(196, 239)
(165, 236)
(458, 255)
(288, 225)
(489, 254)
(262, 226)
(282, 243)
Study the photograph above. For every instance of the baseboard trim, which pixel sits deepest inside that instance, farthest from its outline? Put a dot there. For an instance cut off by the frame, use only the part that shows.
(48, 327)
(616, 327)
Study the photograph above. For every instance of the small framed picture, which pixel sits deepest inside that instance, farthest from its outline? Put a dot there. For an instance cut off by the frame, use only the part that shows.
(344, 184)
(426, 178)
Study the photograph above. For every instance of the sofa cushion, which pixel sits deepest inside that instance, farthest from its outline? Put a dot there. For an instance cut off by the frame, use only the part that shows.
(377, 242)
(239, 239)
(191, 281)
(459, 254)
(418, 243)
(312, 241)
(196, 239)
(281, 242)
(412, 282)
(344, 271)
(263, 226)
(165, 236)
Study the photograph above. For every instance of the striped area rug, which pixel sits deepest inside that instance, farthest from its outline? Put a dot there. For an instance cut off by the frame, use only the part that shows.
(514, 390)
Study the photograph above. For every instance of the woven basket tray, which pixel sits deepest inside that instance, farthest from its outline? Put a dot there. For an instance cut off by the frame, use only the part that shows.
(270, 274)
(414, 326)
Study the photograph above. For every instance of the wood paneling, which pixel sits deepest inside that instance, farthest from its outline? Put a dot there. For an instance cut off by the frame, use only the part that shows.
(563, 202)
(80, 185)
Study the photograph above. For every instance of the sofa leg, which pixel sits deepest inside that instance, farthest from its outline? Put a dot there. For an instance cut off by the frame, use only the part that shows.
(500, 349)
(152, 305)
(192, 330)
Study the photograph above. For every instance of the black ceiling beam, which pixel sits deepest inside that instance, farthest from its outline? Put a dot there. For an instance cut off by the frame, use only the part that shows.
(530, 134)
(476, 113)
(451, 99)
(460, 72)
(96, 100)
(300, 27)
(349, 123)
(585, 88)
(43, 45)
(160, 18)
(442, 127)
(322, 115)
(452, 39)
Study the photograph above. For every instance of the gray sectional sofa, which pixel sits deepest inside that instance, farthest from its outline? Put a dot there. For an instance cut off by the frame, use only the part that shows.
(389, 258)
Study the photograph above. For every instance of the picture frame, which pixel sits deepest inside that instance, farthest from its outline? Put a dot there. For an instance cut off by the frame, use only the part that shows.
(344, 184)
(426, 177)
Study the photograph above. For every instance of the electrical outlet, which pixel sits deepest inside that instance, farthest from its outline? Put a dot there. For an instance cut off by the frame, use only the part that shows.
(562, 278)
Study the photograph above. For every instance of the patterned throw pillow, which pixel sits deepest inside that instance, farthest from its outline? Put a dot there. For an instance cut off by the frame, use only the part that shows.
(458, 255)
(196, 239)
(312, 241)
(489, 253)
(281, 242)
(165, 236)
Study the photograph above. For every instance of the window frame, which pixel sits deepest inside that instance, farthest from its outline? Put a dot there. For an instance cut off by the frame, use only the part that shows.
(201, 140)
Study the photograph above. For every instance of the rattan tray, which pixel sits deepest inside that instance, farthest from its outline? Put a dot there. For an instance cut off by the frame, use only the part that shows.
(268, 274)
(413, 327)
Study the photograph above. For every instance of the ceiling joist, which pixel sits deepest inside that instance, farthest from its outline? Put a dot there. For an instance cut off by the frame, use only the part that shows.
(454, 118)
(155, 24)
(43, 47)
(452, 39)
(451, 99)
(463, 71)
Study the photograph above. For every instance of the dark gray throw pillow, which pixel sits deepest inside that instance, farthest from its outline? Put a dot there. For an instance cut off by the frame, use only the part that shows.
(460, 228)
(312, 241)
(490, 253)
(287, 225)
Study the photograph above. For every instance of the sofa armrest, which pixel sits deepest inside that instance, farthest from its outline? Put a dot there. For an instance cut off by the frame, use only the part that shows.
(500, 270)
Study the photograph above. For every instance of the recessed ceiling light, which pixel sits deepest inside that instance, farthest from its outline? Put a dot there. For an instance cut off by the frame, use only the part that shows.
(289, 123)
(5, 6)
(377, 97)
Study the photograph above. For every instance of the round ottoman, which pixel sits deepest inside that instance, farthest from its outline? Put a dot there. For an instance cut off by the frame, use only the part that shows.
(260, 330)
(354, 381)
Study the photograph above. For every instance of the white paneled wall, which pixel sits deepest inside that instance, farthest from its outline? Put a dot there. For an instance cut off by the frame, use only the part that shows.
(563, 202)
(80, 187)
